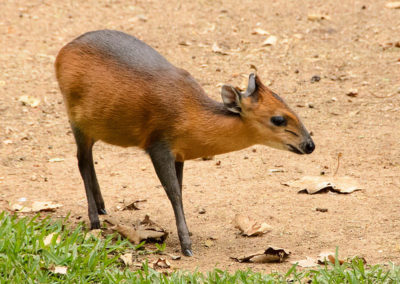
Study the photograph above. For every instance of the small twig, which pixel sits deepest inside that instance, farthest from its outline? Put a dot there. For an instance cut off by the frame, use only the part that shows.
(338, 163)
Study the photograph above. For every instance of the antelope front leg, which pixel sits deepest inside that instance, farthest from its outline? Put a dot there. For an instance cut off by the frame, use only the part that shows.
(164, 164)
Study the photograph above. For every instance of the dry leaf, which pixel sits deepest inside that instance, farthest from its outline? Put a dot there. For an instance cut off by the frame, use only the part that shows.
(36, 206)
(271, 254)
(259, 31)
(324, 257)
(317, 17)
(143, 230)
(393, 5)
(323, 184)
(29, 101)
(161, 263)
(48, 238)
(59, 269)
(250, 227)
(96, 233)
(174, 257)
(132, 205)
(127, 259)
(308, 262)
(128, 232)
(217, 49)
(271, 40)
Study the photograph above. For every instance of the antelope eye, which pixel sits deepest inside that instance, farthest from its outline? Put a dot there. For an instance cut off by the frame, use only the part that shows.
(278, 121)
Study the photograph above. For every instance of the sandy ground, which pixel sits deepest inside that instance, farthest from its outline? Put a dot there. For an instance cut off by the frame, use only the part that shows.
(347, 50)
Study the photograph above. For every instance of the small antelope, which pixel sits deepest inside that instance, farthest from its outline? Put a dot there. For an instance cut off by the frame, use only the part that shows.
(119, 90)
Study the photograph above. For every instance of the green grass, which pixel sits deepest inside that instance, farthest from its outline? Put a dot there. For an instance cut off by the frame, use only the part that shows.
(25, 258)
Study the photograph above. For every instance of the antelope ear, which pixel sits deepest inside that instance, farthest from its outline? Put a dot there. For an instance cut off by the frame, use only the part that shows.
(252, 87)
(231, 98)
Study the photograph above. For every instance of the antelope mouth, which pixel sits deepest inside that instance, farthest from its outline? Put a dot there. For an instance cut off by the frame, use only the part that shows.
(293, 149)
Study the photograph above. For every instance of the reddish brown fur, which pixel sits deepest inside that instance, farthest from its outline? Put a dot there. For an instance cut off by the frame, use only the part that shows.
(117, 105)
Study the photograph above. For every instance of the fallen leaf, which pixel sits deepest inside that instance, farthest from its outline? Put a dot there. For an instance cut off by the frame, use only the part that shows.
(59, 269)
(259, 31)
(217, 49)
(36, 206)
(324, 257)
(132, 205)
(271, 40)
(306, 263)
(271, 254)
(143, 230)
(96, 233)
(250, 227)
(29, 101)
(47, 240)
(323, 184)
(393, 5)
(317, 17)
(162, 263)
(127, 259)
(175, 257)
(128, 233)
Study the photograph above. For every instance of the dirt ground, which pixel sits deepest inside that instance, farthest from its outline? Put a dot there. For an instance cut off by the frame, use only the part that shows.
(348, 49)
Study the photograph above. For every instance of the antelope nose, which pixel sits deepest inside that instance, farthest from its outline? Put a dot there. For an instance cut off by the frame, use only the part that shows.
(308, 146)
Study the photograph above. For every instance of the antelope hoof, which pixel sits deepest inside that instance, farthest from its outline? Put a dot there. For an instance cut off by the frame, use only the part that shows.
(102, 211)
(95, 225)
(188, 252)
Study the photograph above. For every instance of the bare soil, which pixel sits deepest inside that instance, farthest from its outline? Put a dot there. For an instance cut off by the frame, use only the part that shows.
(346, 50)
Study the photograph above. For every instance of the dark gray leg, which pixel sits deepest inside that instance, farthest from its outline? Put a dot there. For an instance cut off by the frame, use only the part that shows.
(179, 173)
(164, 164)
(86, 168)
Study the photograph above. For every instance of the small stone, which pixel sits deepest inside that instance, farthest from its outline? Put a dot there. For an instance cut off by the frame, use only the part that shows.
(202, 211)
(352, 93)
(310, 105)
(315, 78)
(321, 209)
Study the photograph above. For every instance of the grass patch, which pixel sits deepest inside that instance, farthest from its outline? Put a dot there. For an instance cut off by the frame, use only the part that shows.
(25, 257)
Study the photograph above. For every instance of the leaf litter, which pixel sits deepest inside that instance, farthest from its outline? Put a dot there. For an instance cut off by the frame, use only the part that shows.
(142, 230)
(250, 227)
(323, 184)
(271, 254)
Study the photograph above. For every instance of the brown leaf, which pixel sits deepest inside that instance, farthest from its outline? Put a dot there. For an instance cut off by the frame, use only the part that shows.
(324, 257)
(133, 205)
(308, 262)
(271, 254)
(208, 243)
(162, 263)
(323, 184)
(36, 206)
(128, 232)
(143, 230)
(250, 227)
(127, 259)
